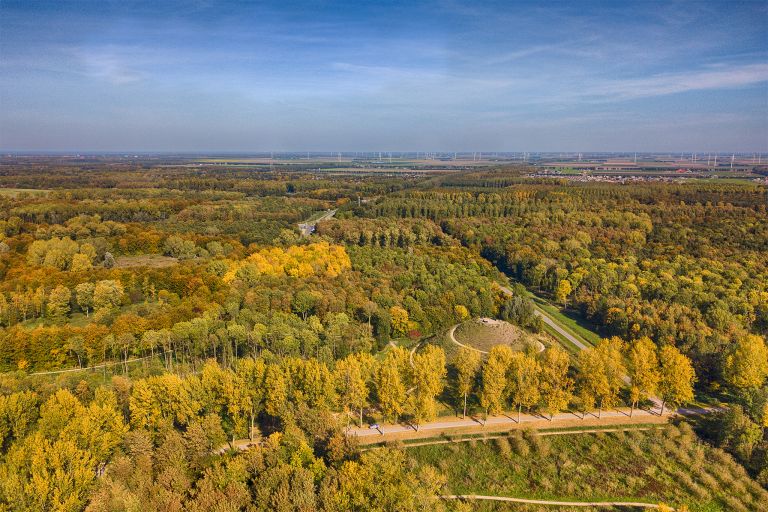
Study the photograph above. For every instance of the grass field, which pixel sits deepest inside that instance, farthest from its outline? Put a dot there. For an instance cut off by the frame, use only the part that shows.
(484, 335)
(145, 260)
(15, 192)
(664, 465)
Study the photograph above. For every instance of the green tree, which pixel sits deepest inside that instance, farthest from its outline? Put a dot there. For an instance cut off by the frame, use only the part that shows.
(84, 296)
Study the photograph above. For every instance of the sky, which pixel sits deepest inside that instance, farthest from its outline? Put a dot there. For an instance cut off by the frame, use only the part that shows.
(207, 76)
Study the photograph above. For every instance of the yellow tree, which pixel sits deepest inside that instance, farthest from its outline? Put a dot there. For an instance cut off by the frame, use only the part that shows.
(494, 379)
(58, 302)
(746, 366)
(467, 364)
(251, 372)
(523, 381)
(643, 371)
(563, 291)
(275, 390)
(677, 377)
(390, 387)
(428, 374)
(601, 371)
(352, 374)
(556, 385)
(399, 320)
(80, 263)
(461, 312)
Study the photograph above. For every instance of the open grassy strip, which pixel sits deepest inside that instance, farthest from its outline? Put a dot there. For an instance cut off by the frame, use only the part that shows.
(567, 323)
(661, 465)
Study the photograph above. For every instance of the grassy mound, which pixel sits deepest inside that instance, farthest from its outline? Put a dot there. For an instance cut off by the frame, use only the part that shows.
(484, 333)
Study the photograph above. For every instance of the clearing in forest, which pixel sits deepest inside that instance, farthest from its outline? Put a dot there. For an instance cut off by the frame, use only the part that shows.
(145, 260)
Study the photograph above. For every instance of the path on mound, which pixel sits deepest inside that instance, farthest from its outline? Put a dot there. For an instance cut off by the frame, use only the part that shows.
(452, 337)
(636, 504)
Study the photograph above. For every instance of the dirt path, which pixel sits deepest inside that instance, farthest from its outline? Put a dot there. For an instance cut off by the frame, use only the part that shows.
(502, 422)
(508, 421)
(506, 436)
(114, 363)
(472, 497)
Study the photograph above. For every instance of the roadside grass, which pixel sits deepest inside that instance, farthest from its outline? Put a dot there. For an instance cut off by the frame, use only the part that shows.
(668, 465)
(564, 342)
(568, 323)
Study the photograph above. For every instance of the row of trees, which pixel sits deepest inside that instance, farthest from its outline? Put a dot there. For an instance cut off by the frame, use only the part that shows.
(102, 296)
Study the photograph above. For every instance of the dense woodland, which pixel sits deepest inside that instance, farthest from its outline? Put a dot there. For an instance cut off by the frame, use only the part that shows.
(189, 312)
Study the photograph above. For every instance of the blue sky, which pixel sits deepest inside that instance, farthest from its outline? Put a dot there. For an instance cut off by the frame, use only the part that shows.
(445, 75)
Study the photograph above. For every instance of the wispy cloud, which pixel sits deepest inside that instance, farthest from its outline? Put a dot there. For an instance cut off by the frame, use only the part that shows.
(721, 77)
(108, 65)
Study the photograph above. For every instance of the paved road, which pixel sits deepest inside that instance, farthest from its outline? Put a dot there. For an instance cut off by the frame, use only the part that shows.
(308, 227)
(533, 420)
(581, 344)
(636, 504)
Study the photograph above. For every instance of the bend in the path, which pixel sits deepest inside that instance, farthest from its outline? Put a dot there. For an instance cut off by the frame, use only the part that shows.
(636, 504)
(452, 337)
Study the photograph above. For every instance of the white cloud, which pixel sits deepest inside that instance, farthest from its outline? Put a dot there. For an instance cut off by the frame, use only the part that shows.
(109, 66)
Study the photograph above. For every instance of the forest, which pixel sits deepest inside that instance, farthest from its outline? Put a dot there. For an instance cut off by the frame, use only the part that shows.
(170, 340)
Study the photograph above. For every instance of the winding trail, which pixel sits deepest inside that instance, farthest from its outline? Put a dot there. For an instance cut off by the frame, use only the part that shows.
(636, 504)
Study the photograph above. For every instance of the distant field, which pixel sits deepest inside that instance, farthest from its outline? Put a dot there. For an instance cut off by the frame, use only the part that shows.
(145, 260)
(14, 192)
(664, 465)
